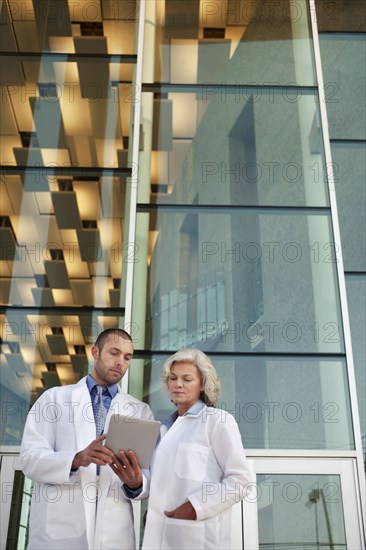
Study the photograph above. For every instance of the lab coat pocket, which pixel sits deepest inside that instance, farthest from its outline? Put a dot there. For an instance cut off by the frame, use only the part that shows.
(181, 534)
(191, 461)
(65, 517)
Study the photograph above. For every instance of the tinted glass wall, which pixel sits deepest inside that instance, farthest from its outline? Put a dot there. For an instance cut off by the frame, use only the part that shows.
(343, 53)
(235, 180)
(234, 218)
(234, 246)
(66, 99)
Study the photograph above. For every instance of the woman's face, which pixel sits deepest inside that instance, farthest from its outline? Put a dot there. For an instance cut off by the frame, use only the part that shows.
(184, 385)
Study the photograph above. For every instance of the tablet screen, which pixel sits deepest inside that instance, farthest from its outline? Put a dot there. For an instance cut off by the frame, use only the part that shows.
(136, 434)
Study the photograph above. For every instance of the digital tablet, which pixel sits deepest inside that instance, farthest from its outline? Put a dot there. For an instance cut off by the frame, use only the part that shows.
(133, 434)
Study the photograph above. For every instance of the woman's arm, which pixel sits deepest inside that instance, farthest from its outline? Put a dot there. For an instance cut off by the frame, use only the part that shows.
(214, 496)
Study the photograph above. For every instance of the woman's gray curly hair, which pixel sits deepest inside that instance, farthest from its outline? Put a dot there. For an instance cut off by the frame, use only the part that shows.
(211, 385)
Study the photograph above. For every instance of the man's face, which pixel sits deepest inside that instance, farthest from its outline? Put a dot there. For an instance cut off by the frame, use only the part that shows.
(112, 361)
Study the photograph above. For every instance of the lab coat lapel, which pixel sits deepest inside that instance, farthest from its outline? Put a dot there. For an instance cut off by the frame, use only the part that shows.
(180, 424)
(106, 473)
(85, 434)
(107, 477)
(84, 417)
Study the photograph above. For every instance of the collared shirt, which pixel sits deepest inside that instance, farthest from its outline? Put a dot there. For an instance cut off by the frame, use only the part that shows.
(108, 395)
(194, 410)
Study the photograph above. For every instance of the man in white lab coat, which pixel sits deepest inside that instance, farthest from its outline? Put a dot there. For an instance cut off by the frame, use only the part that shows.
(78, 502)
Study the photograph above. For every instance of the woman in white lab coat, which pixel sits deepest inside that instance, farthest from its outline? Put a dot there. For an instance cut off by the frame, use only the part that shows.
(199, 469)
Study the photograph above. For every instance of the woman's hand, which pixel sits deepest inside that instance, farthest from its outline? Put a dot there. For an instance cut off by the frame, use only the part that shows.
(127, 468)
(184, 511)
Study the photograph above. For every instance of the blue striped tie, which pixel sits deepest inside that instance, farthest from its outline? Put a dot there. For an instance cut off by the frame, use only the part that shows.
(100, 414)
(99, 409)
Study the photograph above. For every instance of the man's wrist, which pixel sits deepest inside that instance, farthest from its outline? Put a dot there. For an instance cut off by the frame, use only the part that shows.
(75, 463)
(130, 492)
(133, 488)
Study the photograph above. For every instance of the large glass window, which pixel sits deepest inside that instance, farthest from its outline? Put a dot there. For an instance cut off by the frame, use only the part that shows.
(343, 62)
(62, 111)
(333, 16)
(349, 160)
(67, 92)
(229, 42)
(242, 145)
(356, 296)
(42, 348)
(240, 280)
(62, 238)
(72, 26)
(300, 511)
(312, 412)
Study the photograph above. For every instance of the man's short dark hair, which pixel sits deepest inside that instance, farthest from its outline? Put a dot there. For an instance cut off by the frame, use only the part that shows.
(119, 332)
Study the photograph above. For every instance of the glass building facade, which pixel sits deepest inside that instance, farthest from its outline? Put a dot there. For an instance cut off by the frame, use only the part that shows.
(194, 171)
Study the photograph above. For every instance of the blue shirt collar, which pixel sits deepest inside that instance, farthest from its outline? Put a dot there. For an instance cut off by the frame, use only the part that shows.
(192, 411)
(195, 409)
(91, 383)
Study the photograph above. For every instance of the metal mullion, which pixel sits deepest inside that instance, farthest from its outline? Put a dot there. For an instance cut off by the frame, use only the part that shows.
(229, 208)
(299, 453)
(131, 232)
(60, 310)
(71, 57)
(164, 87)
(79, 171)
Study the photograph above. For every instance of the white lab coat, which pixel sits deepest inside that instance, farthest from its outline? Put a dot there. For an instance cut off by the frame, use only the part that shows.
(74, 510)
(201, 459)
